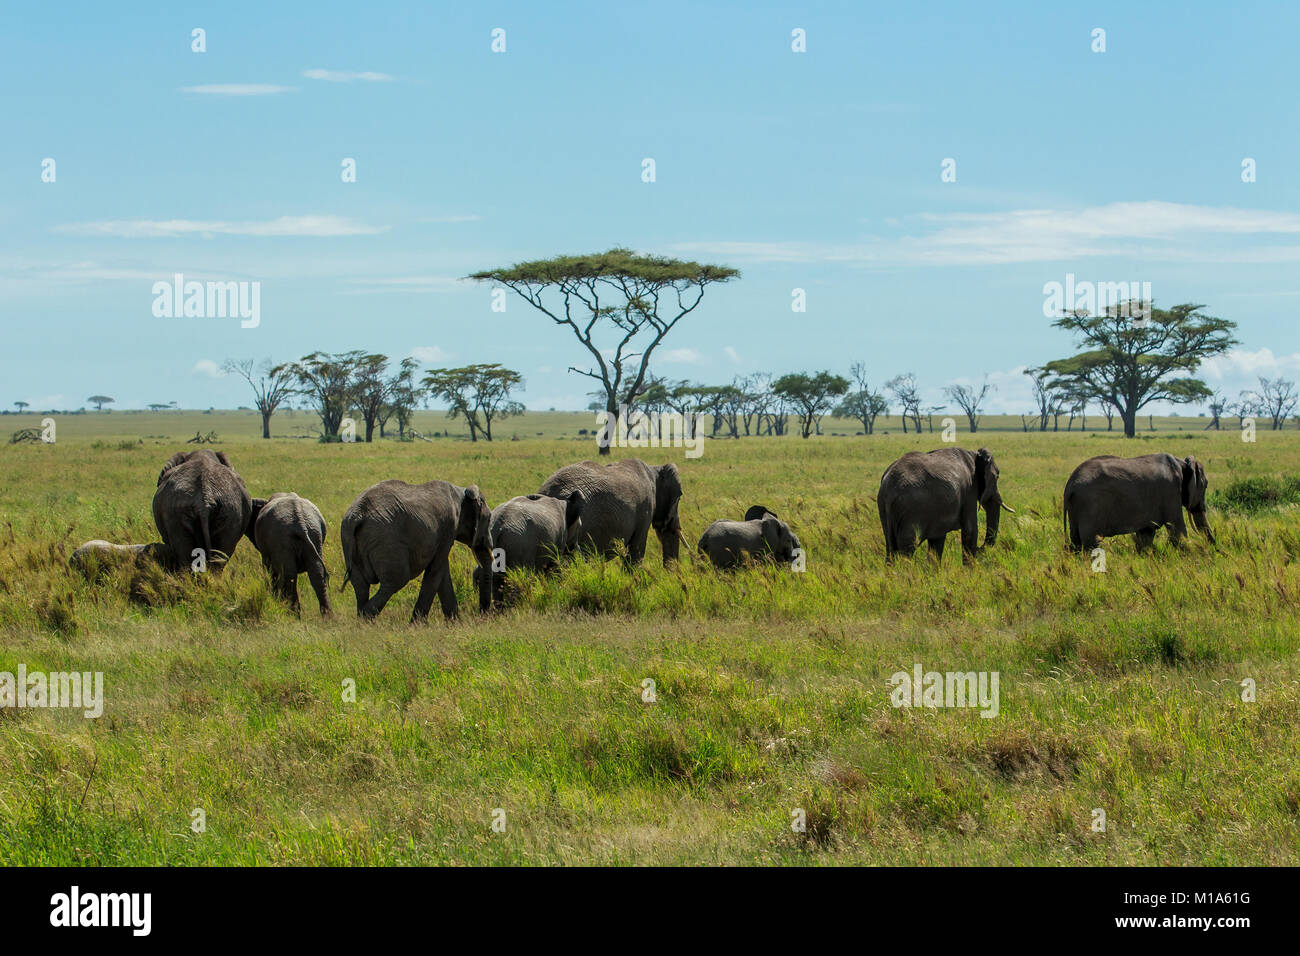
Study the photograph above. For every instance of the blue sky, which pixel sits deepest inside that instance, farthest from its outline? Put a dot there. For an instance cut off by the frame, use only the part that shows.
(817, 170)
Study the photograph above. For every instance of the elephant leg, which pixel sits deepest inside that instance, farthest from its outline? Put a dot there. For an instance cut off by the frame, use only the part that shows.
(319, 578)
(1144, 539)
(291, 591)
(889, 539)
(362, 590)
(636, 546)
(1177, 529)
(936, 547)
(447, 593)
(1076, 543)
(970, 536)
(376, 604)
(430, 585)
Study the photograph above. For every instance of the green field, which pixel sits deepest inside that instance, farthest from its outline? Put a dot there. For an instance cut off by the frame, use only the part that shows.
(1119, 691)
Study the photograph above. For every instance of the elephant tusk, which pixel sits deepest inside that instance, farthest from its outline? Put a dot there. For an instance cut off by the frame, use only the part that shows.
(1008, 507)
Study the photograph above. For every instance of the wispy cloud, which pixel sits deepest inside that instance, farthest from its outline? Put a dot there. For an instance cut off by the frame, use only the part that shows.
(430, 354)
(685, 356)
(207, 367)
(1152, 230)
(173, 228)
(418, 284)
(239, 89)
(345, 76)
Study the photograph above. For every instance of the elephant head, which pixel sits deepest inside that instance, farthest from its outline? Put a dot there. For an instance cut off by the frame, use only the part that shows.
(668, 491)
(1194, 485)
(258, 505)
(475, 530)
(986, 493)
(780, 539)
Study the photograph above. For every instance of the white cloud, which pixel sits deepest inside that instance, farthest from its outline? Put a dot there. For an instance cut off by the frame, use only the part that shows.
(239, 89)
(685, 356)
(1150, 230)
(430, 354)
(207, 367)
(1243, 369)
(344, 76)
(731, 354)
(320, 226)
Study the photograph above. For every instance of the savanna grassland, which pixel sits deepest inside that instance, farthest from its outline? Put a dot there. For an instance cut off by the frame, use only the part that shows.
(1118, 690)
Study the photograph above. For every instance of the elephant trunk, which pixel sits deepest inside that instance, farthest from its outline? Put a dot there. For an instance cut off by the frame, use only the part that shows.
(1202, 524)
(992, 518)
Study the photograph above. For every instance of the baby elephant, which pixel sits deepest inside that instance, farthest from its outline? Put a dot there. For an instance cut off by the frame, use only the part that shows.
(98, 555)
(531, 531)
(289, 533)
(761, 535)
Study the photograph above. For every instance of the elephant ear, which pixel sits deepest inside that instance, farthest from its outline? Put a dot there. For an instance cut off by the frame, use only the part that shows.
(1193, 480)
(573, 510)
(180, 458)
(668, 489)
(221, 457)
(983, 458)
(475, 520)
(756, 513)
(258, 505)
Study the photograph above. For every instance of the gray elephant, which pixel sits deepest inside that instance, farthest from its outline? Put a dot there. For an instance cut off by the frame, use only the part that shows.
(289, 534)
(622, 501)
(394, 532)
(201, 502)
(932, 493)
(97, 555)
(762, 535)
(530, 532)
(1107, 496)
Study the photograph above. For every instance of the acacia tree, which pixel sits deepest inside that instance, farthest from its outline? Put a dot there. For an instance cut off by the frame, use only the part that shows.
(21, 406)
(271, 384)
(403, 396)
(1129, 363)
(970, 401)
(863, 403)
(100, 401)
(1218, 404)
(370, 389)
(812, 396)
(326, 381)
(477, 393)
(619, 306)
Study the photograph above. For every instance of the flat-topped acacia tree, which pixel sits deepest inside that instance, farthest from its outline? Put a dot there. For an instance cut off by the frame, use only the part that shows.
(618, 304)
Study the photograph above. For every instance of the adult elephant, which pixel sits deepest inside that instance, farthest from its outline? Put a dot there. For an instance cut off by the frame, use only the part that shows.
(393, 532)
(201, 503)
(932, 493)
(1108, 495)
(530, 532)
(622, 501)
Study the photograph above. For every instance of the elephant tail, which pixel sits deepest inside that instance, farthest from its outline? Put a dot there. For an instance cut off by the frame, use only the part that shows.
(347, 538)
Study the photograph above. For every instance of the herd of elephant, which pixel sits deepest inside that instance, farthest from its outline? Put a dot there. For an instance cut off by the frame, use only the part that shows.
(394, 532)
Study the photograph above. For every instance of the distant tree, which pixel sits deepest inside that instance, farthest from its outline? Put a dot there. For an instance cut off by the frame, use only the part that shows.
(272, 386)
(811, 396)
(478, 393)
(1040, 382)
(1218, 404)
(862, 403)
(370, 388)
(970, 401)
(612, 303)
(1277, 399)
(403, 395)
(689, 400)
(21, 406)
(100, 401)
(905, 392)
(1129, 363)
(325, 380)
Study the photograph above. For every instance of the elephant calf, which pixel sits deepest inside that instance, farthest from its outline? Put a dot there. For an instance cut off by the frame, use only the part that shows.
(933, 493)
(530, 532)
(289, 533)
(101, 554)
(1107, 496)
(761, 535)
(394, 532)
